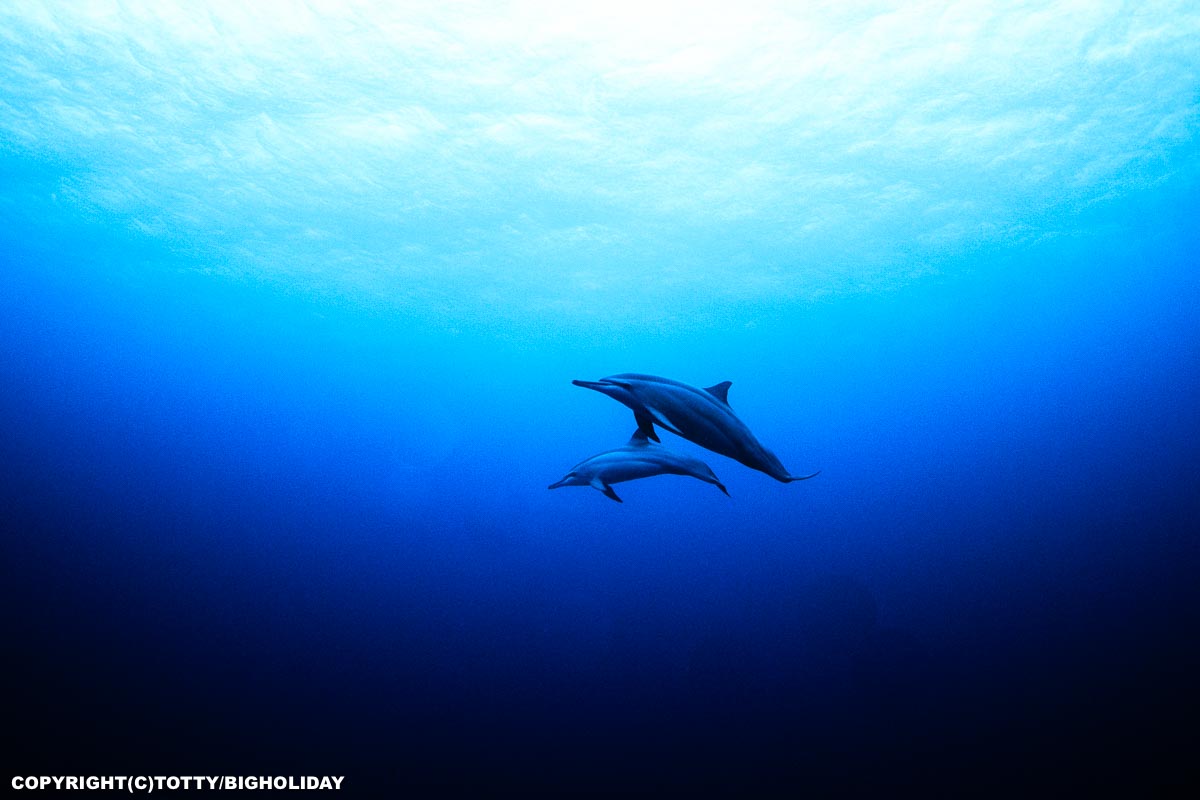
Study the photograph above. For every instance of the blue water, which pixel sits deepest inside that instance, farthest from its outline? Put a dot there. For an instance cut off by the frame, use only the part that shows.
(290, 305)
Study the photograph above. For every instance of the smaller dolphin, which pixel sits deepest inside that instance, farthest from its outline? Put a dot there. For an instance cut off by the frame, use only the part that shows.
(702, 416)
(639, 458)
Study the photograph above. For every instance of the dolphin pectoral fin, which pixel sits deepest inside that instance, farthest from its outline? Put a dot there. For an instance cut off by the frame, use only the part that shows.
(721, 486)
(791, 478)
(606, 490)
(645, 425)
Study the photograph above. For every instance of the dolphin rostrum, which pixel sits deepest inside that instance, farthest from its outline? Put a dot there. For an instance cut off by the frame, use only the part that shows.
(702, 416)
(639, 458)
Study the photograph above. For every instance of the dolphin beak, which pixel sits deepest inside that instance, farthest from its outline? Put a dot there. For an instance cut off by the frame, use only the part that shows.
(557, 484)
(614, 390)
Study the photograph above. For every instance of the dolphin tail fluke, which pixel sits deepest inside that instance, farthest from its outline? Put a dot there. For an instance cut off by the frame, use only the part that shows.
(791, 478)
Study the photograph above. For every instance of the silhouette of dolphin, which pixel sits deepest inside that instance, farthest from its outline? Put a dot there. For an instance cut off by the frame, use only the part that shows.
(702, 416)
(638, 459)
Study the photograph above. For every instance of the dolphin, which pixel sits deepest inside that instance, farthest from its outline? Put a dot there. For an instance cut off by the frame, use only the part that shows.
(702, 416)
(640, 458)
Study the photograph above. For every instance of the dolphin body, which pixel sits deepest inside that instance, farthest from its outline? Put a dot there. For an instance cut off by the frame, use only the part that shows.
(702, 416)
(640, 458)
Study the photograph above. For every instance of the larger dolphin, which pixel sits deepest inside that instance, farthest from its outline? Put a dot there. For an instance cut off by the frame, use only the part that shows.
(639, 458)
(702, 416)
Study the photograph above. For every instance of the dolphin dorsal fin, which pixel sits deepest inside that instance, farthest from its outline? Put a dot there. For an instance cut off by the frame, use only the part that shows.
(720, 391)
(639, 438)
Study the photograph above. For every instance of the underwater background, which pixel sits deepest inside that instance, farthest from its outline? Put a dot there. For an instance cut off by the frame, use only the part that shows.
(292, 295)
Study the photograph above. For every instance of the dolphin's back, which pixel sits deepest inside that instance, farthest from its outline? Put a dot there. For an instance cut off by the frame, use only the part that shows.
(638, 459)
(696, 414)
(702, 416)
